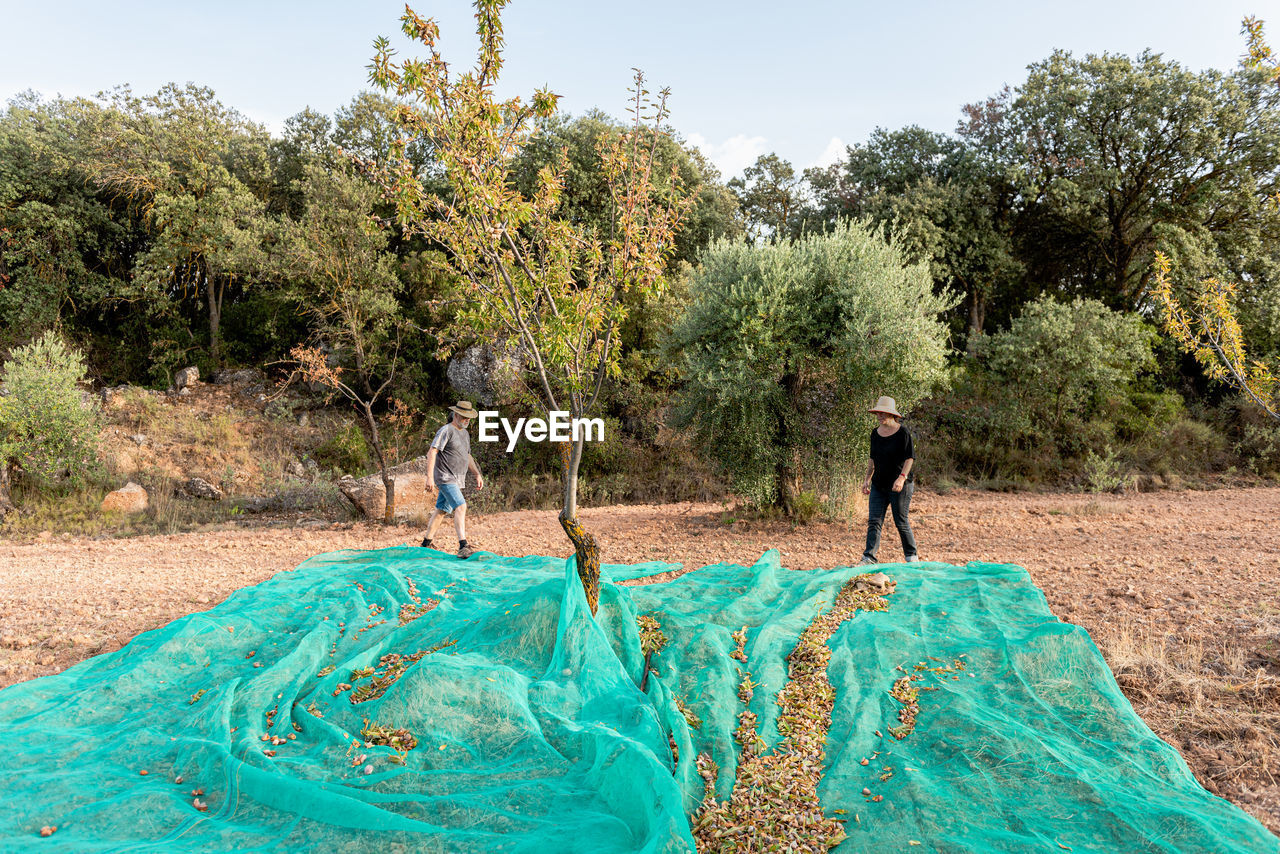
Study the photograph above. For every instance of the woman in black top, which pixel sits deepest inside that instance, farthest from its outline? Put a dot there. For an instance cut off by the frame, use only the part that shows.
(889, 481)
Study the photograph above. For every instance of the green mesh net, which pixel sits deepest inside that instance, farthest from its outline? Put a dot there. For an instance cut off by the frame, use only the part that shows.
(404, 700)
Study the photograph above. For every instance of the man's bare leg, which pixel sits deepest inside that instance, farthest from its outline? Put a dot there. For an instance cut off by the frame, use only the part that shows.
(433, 525)
(460, 522)
(460, 526)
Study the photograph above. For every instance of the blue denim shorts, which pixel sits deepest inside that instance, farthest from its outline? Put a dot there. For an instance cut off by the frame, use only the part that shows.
(450, 497)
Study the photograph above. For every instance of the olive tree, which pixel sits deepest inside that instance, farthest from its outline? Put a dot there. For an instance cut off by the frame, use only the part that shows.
(784, 345)
(47, 429)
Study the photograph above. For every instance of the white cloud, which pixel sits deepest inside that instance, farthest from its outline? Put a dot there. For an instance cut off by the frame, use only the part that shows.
(733, 155)
(833, 153)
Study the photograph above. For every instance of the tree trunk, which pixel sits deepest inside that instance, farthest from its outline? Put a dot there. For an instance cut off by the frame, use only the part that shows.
(586, 550)
(6, 503)
(389, 511)
(784, 471)
(214, 294)
(977, 313)
(587, 553)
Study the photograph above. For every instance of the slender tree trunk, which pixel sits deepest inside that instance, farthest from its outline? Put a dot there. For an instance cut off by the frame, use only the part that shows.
(388, 484)
(977, 312)
(6, 502)
(785, 470)
(213, 293)
(586, 550)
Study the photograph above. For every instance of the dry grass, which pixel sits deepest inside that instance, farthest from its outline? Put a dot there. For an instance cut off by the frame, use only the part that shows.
(1217, 701)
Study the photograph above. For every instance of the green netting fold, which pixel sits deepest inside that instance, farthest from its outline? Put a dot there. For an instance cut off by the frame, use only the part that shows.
(531, 733)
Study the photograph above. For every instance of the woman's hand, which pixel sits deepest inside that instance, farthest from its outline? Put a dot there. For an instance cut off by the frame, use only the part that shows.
(900, 482)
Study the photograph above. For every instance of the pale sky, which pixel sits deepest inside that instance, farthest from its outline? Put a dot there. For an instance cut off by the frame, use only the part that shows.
(802, 79)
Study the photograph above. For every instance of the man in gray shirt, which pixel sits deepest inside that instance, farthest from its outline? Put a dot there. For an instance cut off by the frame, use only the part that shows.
(448, 462)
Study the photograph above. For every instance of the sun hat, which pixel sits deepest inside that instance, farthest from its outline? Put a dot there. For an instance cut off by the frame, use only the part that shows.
(465, 409)
(887, 406)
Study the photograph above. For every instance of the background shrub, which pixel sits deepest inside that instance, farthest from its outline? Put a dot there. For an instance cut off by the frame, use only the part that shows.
(346, 451)
(48, 425)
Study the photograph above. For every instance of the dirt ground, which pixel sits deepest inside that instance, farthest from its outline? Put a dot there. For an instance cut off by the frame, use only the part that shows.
(1181, 590)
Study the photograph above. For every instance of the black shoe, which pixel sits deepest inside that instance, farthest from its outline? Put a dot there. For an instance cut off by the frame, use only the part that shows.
(426, 542)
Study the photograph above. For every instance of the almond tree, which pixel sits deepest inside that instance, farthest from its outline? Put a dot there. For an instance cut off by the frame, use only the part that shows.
(1208, 328)
(555, 290)
(1209, 331)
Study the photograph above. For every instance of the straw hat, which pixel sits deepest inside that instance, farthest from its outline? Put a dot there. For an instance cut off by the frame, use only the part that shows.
(887, 406)
(465, 409)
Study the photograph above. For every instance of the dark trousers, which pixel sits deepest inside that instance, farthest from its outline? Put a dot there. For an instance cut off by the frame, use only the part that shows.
(900, 504)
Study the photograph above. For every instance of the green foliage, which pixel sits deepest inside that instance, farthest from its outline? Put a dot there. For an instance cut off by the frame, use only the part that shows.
(1103, 472)
(1125, 155)
(346, 451)
(771, 196)
(808, 506)
(198, 171)
(586, 197)
(1259, 448)
(946, 199)
(45, 425)
(1142, 416)
(1190, 447)
(339, 271)
(1061, 360)
(1054, 394)
(784, 345)
(60, 245)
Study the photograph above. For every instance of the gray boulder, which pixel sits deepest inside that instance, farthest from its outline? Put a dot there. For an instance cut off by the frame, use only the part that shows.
(242, 377)
(481, 372)
(186, 377)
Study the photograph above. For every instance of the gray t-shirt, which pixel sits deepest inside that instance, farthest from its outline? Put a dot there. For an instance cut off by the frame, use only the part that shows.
(454, 448)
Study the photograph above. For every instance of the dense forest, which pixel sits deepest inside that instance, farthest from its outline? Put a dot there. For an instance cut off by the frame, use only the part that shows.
(999, 280)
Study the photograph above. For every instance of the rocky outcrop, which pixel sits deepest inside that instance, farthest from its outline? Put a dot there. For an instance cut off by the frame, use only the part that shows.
(483, 372)
(241, 377)
(409, 485)
(198, 487)
(131, 498)
(186, 377)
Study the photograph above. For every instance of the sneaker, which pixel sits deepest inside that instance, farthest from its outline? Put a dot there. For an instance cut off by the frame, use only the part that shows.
(465, 552)
(867, 561)
(426, 542)
(913, 559)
